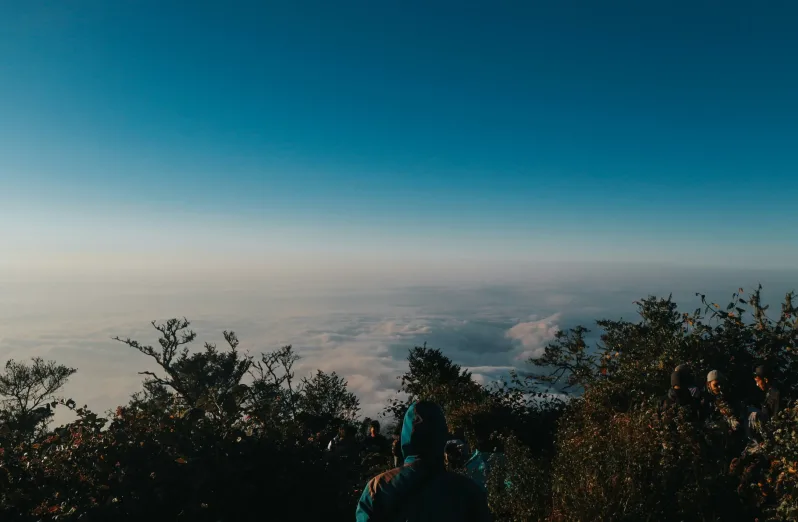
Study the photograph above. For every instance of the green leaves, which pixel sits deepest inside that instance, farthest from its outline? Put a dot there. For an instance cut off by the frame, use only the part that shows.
(433, 376)
(326, 395)
(27, 392)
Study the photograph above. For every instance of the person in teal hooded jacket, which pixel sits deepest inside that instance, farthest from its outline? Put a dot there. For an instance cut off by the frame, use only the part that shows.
(422, 490)
(486, 458)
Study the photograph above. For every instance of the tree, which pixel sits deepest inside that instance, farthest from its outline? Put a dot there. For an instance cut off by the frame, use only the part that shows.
(433, 376)
(326, 396)
(273, 396)
(27, 391)
(208, 382)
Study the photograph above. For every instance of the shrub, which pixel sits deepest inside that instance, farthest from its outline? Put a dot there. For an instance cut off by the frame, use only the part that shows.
(217, 435)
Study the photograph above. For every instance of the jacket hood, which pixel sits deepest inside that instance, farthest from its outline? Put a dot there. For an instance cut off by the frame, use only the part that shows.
(682, 377)
(424, 432)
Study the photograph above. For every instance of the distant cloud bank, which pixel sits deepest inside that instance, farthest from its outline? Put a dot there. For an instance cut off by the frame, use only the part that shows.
(363, 334)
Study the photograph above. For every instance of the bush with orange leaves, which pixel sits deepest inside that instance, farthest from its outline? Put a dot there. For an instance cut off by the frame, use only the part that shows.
(144, 466)
(768, 475)
(198, 444)
(519, 484)
(643, 464)
(619, 458)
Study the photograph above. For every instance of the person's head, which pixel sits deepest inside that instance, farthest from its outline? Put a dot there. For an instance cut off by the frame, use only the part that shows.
(347, 432)
(374, 428)
(424, 433)
(763, 375)
(454, 454)
(684, 377)
(676, 380)
(714, 382)
(481, 431)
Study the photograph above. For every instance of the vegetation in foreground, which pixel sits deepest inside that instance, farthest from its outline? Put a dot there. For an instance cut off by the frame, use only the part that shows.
(218, 435)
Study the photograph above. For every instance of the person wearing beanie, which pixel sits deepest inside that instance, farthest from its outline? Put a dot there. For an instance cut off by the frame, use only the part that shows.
(680, 395)
(765, 381)
(714, 384)
(721, 401)
(686, 380)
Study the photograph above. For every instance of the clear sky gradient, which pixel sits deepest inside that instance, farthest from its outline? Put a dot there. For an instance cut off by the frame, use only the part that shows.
(359, 131)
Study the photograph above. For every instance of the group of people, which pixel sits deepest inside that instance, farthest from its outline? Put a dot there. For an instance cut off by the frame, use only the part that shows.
(439, 478)
(457, 454)
(720, 405)
(346, 443)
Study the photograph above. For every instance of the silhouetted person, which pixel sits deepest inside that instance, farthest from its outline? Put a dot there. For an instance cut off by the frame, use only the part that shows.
(765, 381)
(687, 381)
(486, 458)
(375, 441)
(724, 414)
(422, 490)
(396, 451)
(455, 453)
(344, 445)
(764, 378)
(680, 395)
(479, 463)
(396, 446)
(722, 400)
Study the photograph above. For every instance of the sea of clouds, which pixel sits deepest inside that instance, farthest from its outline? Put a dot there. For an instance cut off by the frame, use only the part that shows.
(363, 334)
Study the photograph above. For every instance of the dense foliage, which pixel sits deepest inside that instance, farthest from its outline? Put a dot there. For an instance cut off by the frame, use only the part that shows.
(218, 435)
(621, 456)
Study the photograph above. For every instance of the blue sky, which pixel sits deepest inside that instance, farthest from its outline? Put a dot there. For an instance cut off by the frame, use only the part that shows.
(481, 131)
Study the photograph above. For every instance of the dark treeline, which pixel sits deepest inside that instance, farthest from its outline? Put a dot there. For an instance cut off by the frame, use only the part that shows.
(219, 435)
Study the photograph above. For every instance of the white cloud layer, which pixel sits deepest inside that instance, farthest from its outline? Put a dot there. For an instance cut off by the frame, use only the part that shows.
(363, 334)
(534, 335)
